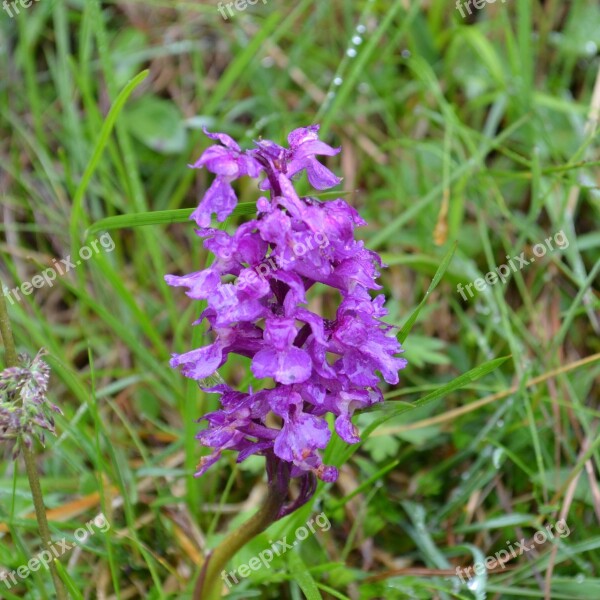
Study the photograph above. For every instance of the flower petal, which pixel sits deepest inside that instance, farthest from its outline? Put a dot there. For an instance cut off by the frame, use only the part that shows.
(287, 367)
(200, 284)
(199, 363)
(320, 177)
(220, 198)
(225, 139)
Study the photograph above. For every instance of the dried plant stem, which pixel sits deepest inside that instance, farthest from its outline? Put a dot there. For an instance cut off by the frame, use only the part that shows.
(11, 358)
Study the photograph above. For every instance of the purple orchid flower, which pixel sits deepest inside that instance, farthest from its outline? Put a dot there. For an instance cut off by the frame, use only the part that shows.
(307, 366)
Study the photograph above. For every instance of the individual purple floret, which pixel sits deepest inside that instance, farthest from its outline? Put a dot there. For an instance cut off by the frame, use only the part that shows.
(255, 292)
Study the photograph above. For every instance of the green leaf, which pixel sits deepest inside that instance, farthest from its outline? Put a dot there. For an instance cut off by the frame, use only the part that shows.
(303, 577)
(101, 142)
(241, 65)
(360, 65)
(486, 52)
(158, 124)
(436, 279)
(381, 448)
(509, 520)
(365, 485)
(158, 217)
(426, 350)
(339, 454)
(69, 583)
(444, 390)
(555, 479)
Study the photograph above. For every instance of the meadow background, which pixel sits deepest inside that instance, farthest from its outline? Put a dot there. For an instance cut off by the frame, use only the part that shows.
(471, 131)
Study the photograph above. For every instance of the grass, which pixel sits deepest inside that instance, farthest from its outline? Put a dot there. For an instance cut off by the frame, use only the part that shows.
(473, 135)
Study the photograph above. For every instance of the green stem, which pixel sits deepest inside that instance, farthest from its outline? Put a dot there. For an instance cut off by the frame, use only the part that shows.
(30, 465)
(10, 352)
(209, 584)
(40, 513)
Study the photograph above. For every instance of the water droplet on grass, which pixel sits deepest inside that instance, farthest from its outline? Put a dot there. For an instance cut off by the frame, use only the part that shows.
(498, 452)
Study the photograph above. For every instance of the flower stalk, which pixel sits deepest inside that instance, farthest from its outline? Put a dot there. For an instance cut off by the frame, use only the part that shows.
(12, 360)
(209, 583)
(305, 366)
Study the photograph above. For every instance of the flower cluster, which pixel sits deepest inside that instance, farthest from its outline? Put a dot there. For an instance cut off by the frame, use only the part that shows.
(308, 366)
(23, 403)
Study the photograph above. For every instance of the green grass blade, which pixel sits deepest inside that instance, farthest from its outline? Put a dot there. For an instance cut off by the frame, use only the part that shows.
(436, 279)
(158, 217)
(71, 587)
(101, 142)
(303, 577)
(456, 384)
